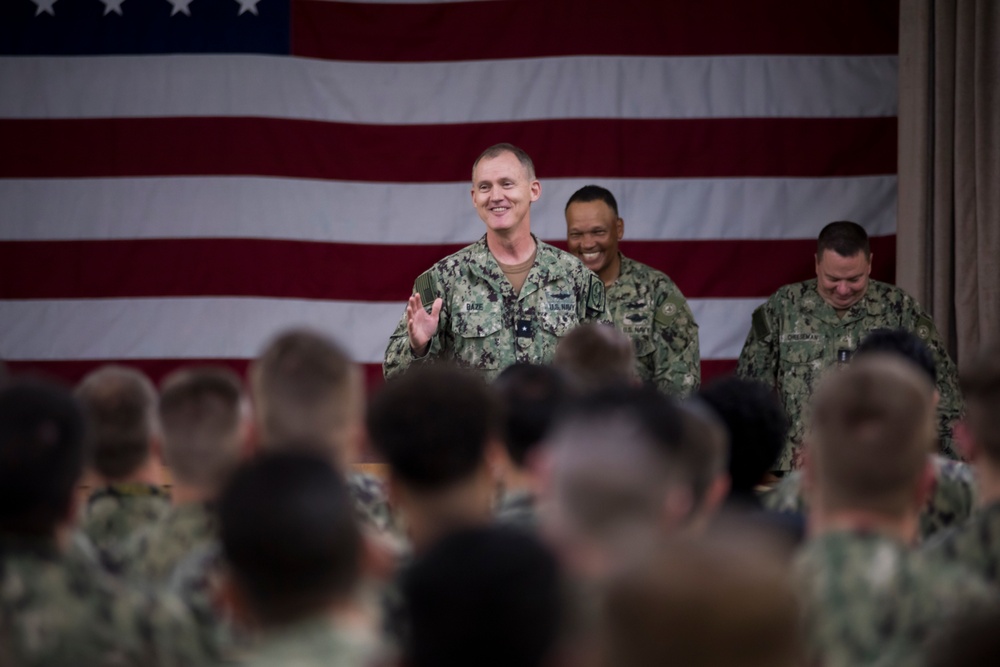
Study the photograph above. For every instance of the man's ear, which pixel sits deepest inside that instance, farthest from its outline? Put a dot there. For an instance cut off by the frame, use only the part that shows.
(967, 447)
(620, 228)
(498, 460)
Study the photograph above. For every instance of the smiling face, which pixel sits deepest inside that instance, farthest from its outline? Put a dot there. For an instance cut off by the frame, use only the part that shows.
(502, 192)
(592, 234)
(842, 281)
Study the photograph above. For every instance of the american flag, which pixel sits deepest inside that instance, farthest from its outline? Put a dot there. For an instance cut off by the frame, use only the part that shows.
(182, 179)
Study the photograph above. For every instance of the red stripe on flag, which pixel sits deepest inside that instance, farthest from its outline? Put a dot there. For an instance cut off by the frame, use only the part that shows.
(306, 270)
(528, 28)
(598, 148)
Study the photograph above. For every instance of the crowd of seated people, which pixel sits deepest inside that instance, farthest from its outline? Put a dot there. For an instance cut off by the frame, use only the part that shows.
(563, 515)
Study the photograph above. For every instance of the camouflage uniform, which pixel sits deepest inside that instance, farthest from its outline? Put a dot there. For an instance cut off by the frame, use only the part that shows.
(869, 601)
(952, 500)
(484, 325)
(315, 643)
(648, 306)
(797, 335)
(61, 611)
(517, 508)
(975, 544)
(115, 512)
(370, 502)
(153, 554)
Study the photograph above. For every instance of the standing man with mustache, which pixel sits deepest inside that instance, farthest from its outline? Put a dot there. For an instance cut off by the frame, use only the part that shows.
(642, 302)
(507, 298)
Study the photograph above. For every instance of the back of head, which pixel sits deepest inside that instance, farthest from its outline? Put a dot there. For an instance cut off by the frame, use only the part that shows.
(714, 602)
(757, 427)
(981, 387)
(487, 596)
(306, 389)
(532, 396)
(41, 456)
(844, 238)
(289, 536)
(120, 405)
(201, 411)
(595, 356)
(589, 193)
(871, 430)
(616, 459)
(433, 425)
(703, 448)
(904, 343)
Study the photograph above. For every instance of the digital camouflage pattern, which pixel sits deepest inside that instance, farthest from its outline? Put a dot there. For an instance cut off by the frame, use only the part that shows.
(796, 335)
(650, 309)
(951, 502)
(61, 611)
(975, 545)
(517, 509)
(316, 643)
(152, 554)
(484, 325)
(869, 601)
(197, 582)
(371, 502)
(115, 512)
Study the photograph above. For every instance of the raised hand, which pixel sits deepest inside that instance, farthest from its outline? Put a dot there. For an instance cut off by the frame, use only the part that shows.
(421, 325)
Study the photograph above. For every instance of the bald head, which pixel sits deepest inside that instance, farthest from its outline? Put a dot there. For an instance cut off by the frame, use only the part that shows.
(871, 430)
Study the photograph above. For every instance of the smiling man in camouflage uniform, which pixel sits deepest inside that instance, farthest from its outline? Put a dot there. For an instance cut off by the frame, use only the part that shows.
(508, 297)
(806, 327)
(641, 301)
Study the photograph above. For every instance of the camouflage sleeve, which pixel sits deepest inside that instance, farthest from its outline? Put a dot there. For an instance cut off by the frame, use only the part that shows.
(786, 495)
(398, 355)
(759, 358)
(676, 359)
(951, 405)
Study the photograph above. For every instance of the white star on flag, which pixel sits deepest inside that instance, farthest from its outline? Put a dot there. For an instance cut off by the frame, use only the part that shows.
(181, 7)
(113, 6)
(248, 6)
(46, 6)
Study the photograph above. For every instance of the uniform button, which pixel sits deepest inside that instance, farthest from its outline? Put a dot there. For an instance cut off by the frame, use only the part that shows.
(523, 343)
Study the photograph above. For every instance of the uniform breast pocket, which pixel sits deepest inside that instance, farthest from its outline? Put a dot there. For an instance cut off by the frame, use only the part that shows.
(801, 365)
(477, 338)
(557, 311)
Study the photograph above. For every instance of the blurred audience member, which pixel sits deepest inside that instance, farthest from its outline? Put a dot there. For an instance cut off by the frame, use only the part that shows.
(976, 543)
(293, 548)
(488, 596)
(532, 397)
(596, 356)
(869, 599)
(122, 459)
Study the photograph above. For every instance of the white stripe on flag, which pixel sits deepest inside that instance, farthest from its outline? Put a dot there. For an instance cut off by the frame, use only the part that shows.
(437, 213)
(449, 92)
(50, 330)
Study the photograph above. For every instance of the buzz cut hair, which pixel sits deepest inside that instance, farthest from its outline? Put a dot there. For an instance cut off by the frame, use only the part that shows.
(120, 407)
(496, 150)
(845, 238)
(871, 431)
(306, 388)
(200, 412)
(589, 193)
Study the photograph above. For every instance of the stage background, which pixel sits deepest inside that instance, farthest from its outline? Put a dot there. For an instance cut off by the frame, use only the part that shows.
(182, 179)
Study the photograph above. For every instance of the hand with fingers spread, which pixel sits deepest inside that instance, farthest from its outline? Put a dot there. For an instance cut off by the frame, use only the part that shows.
(421, 325)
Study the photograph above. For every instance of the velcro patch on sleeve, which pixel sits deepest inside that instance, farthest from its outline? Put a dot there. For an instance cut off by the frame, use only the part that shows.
(761, 327)
(424, 286)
